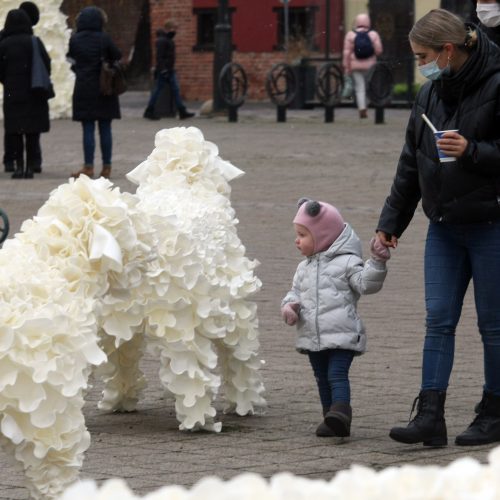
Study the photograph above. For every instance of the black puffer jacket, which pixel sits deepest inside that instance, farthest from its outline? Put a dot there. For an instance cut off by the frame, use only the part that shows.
(24, 111)
(165, 50)
(467, 190)
(86, 49)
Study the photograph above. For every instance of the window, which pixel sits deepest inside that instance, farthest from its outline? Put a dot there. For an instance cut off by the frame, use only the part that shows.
(206, 21)
(301, 25)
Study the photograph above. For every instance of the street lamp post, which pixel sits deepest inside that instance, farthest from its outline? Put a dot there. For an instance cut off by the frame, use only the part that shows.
(327, 30)
(222, 50)
(286, 18)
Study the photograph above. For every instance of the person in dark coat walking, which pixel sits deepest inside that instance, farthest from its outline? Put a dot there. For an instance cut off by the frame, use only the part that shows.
(26, 114)
(460, 196)
(87, 48)
(165, 72)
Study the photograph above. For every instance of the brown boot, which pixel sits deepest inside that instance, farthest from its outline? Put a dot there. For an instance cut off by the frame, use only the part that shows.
(323, 430)
(363, 113)
(87, 170)
(106, 171)
(339, 419)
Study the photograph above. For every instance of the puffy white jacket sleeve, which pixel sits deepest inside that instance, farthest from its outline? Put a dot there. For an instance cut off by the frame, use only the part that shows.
(366, 277)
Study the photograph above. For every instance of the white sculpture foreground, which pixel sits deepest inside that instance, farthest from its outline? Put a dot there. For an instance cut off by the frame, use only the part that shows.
(464, 479)
(97, 275)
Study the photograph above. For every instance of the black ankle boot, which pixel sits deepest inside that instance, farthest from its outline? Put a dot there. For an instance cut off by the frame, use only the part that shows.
(28, 173)
(339, 418)
(485, 428)
(149, 114)
(428, 426)
(184, 113)
(19, 171)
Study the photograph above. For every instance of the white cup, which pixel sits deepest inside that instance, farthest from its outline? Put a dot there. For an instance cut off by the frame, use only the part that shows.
(442, 157)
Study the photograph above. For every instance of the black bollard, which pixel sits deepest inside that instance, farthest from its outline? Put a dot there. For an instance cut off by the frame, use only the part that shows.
(379, 115)
(281, 113)
(232, 113)
(329, 114)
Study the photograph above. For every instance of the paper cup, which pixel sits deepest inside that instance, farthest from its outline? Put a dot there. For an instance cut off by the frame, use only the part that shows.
(442, 157)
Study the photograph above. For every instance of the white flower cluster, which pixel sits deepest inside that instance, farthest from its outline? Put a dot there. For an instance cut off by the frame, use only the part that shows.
(52, 29)
(97, 274)
(198, 316)
(464, 479)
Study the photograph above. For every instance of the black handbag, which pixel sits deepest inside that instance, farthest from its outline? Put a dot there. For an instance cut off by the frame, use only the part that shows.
(40, 78)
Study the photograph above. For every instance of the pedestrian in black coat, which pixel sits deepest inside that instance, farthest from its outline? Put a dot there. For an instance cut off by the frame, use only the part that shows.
(457, 179)
(87, 48)
(26, 114)
(165, 73)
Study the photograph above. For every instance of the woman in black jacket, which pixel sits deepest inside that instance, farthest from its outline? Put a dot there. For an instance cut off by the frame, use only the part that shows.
(26, 113)
(461, 198)
(87, 48)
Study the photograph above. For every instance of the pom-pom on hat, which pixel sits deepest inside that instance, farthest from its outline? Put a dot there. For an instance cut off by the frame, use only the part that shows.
(322, 220)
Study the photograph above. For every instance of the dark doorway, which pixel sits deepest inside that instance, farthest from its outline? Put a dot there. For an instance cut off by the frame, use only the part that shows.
(463, 9)
(139, 67)
(393, 21)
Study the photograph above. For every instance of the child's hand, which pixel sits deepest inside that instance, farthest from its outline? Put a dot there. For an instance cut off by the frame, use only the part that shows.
(379, 251)
(289, 313)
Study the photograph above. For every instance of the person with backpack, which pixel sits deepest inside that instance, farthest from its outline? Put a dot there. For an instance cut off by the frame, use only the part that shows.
(362, 46)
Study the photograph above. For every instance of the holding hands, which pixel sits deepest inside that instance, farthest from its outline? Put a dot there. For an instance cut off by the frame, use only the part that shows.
(378, 251)
(289, 312)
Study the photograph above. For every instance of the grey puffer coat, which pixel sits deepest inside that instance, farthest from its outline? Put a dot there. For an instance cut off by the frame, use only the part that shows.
(327, 286)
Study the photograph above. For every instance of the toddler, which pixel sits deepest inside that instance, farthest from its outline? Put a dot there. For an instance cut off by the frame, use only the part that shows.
(322, 303)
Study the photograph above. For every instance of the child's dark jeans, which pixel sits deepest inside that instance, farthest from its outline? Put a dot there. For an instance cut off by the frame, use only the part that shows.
(331, 369)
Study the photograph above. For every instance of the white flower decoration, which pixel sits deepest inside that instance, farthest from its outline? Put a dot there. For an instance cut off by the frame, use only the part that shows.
(99, 275)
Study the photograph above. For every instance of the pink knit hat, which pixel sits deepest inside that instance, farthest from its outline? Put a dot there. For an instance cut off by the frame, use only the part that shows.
(322, 220)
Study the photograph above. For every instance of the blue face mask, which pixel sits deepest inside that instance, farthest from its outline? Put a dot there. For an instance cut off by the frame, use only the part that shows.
(432, 71)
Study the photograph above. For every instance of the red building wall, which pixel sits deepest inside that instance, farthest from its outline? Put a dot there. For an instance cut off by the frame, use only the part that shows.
(254, 34)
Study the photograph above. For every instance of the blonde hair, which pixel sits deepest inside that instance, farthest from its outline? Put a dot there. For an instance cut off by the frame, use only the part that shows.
(438, 27)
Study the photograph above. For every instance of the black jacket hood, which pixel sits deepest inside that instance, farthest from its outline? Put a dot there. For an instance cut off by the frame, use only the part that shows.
(32, 10)
(89, 19)
(17, 21)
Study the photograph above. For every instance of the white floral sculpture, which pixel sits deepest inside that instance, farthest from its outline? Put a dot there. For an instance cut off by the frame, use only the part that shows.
(55, 34)
(464, 479)
(96, 275)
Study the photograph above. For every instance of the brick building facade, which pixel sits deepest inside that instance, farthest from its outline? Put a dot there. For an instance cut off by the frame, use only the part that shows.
(257, 36)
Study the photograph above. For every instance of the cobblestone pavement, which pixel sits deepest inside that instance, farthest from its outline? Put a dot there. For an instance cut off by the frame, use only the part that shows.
(349, 163)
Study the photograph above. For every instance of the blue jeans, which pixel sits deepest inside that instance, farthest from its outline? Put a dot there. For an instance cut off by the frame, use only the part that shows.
(455, 254)
(105, 139)
(160, 83)
(331, 370)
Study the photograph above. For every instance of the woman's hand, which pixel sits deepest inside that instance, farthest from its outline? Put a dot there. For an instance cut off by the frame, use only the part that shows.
(388, 240)
(453, 144)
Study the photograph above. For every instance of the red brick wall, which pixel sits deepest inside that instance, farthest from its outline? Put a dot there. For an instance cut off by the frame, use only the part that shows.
(253, 34)
(194, 69)
(123, 19)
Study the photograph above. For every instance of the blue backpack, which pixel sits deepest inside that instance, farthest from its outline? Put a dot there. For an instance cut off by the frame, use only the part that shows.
(363, 46)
